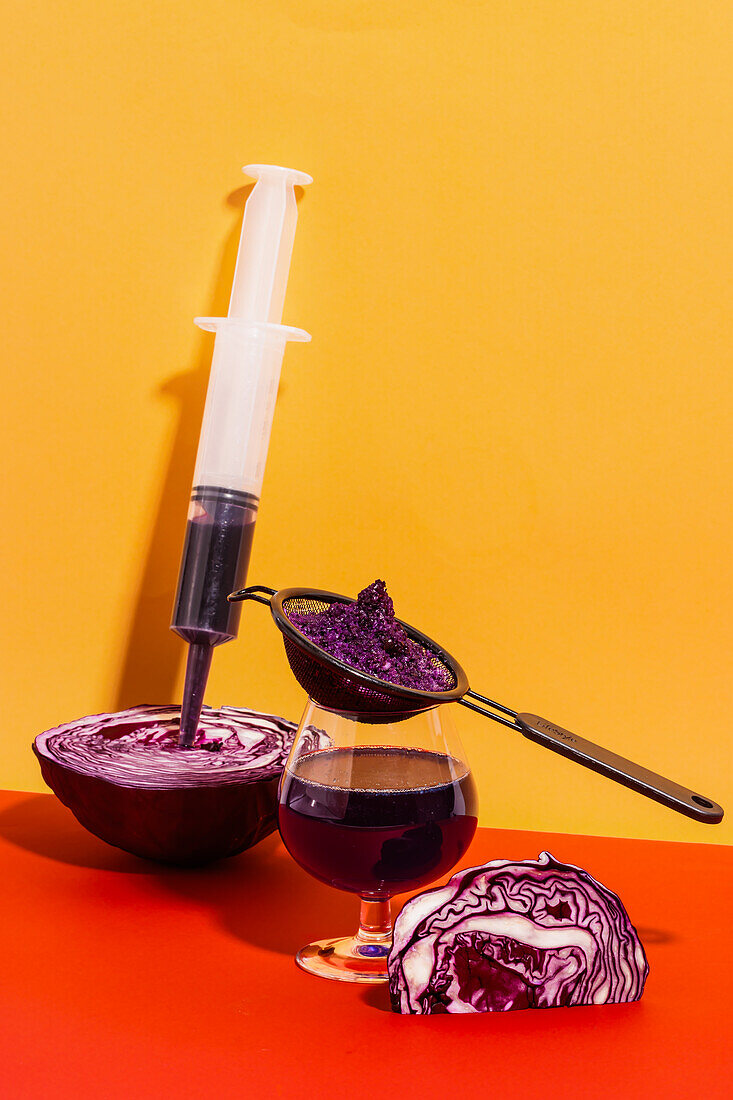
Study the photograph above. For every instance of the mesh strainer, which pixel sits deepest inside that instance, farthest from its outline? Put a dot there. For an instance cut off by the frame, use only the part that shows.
(338, 687)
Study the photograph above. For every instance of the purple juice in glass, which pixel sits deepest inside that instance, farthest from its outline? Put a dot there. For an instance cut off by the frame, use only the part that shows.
(377, 821)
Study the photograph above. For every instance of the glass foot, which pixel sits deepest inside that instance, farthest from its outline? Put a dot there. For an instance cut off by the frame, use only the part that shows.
(346, 959)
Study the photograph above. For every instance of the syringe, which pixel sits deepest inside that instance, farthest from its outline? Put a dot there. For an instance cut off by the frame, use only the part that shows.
(235, 433)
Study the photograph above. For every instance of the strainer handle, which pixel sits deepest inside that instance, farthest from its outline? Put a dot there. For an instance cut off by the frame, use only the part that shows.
(623, 771)
(251, 594)
(598, 759)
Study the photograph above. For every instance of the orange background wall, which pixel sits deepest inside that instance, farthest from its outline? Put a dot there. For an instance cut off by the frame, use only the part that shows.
(515, 264)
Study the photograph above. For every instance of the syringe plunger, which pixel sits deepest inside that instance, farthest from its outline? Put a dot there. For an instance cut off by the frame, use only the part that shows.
(266, 244)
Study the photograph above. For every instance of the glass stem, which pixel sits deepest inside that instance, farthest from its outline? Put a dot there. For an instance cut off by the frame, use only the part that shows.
(375, 922)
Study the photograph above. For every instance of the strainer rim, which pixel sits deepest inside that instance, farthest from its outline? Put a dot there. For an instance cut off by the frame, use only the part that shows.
(323, 657)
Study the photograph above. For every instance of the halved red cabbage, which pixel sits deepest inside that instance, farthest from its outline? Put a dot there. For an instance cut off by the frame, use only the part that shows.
(125, 779)
(530, 934)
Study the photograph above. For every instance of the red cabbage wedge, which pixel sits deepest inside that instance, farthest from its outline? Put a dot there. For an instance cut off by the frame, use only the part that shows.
(531, 934)
(125, 779)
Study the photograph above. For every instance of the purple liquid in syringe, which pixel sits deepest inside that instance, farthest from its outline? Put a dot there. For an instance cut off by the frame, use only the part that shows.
(215, 557)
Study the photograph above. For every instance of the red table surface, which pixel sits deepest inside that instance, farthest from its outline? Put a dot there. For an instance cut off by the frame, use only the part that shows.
(124, 979)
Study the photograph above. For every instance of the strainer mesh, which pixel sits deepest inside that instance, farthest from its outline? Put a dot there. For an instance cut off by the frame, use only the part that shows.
(331, 687)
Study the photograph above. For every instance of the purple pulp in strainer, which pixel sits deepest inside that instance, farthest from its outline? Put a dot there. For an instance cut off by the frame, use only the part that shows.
(367, 636)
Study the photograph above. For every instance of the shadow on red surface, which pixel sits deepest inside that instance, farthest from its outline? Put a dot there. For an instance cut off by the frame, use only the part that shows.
(41, 824)
(298, 908)
(232, 888)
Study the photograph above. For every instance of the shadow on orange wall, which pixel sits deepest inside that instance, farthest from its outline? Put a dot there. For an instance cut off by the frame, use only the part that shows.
(153, 656)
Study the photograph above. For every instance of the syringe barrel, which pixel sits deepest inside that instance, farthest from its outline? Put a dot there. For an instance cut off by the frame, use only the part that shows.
(240, 402)
(230, 466)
